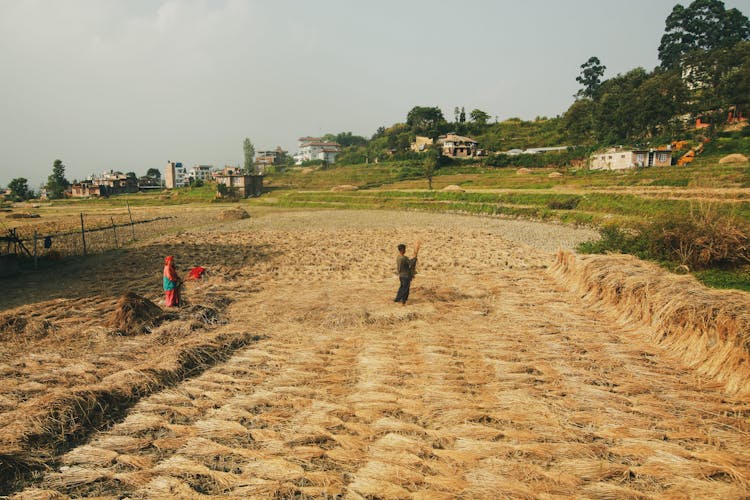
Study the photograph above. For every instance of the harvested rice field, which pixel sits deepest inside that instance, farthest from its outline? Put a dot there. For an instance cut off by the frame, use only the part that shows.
(516, 370)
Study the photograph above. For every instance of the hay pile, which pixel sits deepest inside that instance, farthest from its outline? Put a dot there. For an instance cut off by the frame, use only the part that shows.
(453, 189)
(733, 158)
(236, 213)
(135, 314)
(522, 171)
(709, 330)
(554, 175)
(22, 215)
(344, 187)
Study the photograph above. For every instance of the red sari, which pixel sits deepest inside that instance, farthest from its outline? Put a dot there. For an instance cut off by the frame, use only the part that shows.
(171, 283)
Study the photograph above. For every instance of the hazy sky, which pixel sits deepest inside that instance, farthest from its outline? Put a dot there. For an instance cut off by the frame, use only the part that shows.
(130, 84)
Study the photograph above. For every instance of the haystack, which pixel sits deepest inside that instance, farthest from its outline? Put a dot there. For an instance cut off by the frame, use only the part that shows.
(522, 171)
(554, 175)
(707, 329)
(733, 158)
(135, 314)
(22, 215)
(344, 187)
(236, 213)
(453, 189)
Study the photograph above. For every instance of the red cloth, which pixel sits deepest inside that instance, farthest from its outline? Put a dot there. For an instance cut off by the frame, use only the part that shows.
(196, 273)
(172, 298)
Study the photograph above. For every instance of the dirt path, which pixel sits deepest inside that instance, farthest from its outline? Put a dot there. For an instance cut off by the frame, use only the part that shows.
(494, 381)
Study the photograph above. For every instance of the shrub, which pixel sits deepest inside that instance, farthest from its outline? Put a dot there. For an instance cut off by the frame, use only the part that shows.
(568, 203)
(703, 239)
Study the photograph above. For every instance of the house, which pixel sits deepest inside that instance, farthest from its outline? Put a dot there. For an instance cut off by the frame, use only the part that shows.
(200, 172)
(175, 175)
(457, 146)
(625, 158)
(85, 188)
(244, 185)
(420, 143)
(314, 148)
(104, 184)
(265, 159)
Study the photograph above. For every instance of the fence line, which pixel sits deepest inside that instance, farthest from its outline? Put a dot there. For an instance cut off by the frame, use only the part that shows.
(80, 242)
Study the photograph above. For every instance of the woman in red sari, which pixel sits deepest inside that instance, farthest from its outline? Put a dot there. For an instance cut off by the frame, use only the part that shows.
(171, 283)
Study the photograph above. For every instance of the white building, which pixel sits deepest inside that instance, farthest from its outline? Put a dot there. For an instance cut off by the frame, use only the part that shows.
(201, 172)
(314, 148)
(175, 175)
(625, 158)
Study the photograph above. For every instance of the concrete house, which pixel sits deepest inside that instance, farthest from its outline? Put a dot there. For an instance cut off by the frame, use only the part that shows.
(457, 146)
(314, 148)
(245, 185)
(625, 158)
(420, 143)
(175, 175)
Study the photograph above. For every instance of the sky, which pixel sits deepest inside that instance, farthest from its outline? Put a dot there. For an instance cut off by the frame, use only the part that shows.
(129, 85)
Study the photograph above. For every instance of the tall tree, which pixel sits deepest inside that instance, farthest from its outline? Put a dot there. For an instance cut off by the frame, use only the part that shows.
(154, 173)
(702, 25)
(479, 117)
(425, 120)
(19, 188)
(249, 151)
(591, 75)
(56, 182)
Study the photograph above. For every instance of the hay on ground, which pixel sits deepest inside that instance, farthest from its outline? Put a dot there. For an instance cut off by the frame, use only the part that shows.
(522, 171)
(554, 175)
(733, 158)
(236, 213)
(344, 187)
(453, 188)
(135, 314)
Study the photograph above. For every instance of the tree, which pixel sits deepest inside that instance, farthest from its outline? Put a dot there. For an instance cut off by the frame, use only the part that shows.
(430, 164)
(462, 115)
(56, 182)
(19, 189)
(249, 151)
(591, 75)
(703, 25)
(425, 120)
(479, 117)
(154, 173)
(131, 175)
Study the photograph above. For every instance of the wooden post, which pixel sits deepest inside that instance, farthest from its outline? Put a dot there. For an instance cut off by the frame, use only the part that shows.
(35, 261)
(114, 229)
(132, 226)
(83, 235)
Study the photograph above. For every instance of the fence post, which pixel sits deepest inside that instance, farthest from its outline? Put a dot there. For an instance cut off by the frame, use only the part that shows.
(132, 227)
(83, 235)
(114, 229)
(35, 261)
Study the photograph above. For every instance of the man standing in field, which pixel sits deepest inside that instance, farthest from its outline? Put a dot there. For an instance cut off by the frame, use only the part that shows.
(406, 268)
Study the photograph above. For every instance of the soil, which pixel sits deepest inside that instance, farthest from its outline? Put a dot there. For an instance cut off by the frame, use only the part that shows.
(495, 380)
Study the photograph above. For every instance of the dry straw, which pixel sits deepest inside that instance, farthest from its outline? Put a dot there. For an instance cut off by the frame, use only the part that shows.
(709, 330)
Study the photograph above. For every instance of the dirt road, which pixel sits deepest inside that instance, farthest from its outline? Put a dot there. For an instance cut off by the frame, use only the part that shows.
(494, 381)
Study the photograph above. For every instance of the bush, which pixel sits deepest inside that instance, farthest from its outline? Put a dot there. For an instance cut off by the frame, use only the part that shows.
(703, 239)
(568, 203)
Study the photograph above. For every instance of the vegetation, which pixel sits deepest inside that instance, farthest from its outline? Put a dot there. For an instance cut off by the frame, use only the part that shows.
(56, 182)
(249, 151)
(19, 189)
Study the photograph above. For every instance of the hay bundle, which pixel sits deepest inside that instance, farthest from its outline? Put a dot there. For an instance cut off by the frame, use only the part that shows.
(135, 314)
(344, 187)
(22, 215)
(733, 158)
(708, 329)
(554, 175)
(452, 189)
(236, 213)
(523, 171)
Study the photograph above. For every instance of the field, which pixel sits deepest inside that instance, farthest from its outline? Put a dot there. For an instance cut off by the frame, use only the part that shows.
(515, 370)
